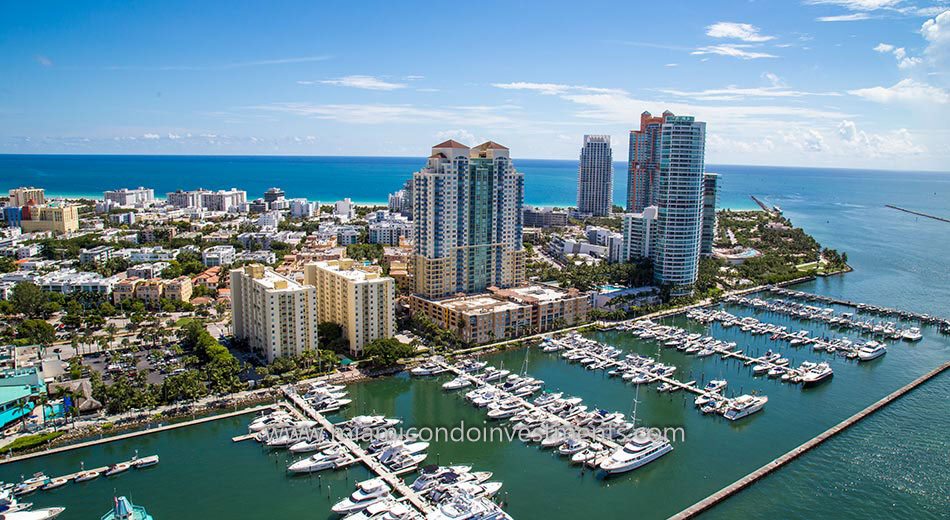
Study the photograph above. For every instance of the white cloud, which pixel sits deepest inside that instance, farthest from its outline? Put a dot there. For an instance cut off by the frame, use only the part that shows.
(740, 31)
(858, 5)
(151, 136)
(672, 65)
(900, 54)
(773, 79)
(853, 17)
(173, 136)
(734, 51)
(805, 139)
(732, 92)
(898, 143)
(937, 32)
(44, 60)
(362, 82)
(460, 135)
(905, 90)
(383, 113)
(552, 89)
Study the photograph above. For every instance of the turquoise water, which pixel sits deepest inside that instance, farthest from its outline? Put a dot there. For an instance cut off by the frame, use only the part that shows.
(893, 465)
(370, 179)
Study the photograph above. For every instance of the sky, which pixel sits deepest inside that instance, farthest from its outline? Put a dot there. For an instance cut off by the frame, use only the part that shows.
(838, 83)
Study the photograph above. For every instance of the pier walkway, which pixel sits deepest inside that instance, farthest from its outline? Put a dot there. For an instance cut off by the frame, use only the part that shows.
(772, 466)
(874, 309)
(391, 478)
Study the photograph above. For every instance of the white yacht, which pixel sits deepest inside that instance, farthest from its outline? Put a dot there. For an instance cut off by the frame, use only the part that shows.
(871, 350)
(641, 450)
(463, 507)
(743, 406)
(349, 505)
(332, 457)
(427, 369)
(818, 374)
(307, 446)
(36, 514)
(457, 383)
(912, 334)
(367, 492)
(715, 385)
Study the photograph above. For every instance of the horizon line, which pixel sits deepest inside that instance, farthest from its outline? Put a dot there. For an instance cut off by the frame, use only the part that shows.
(106, 154)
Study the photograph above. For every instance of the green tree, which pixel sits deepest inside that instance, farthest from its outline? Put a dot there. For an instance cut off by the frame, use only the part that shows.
(37, 331)
(28, 299)
(386, 352)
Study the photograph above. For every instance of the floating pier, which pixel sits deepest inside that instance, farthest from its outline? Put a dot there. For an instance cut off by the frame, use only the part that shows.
(874, 309)
(772, 466)
(390, 477)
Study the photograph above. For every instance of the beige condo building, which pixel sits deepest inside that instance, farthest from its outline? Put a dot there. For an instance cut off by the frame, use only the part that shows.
(275, 315)
(356, 297)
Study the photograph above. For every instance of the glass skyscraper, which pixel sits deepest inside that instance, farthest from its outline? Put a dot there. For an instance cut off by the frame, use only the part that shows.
(467, 225)
(595, 176)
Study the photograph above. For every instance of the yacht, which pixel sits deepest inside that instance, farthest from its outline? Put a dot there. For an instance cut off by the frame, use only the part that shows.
(641, 450)
(457, 383)
(464, 507)
(871, 350)
(817, 375)
(715, 385)
(349, 505)
(144, 462)
(84, 476)
(332, 457)
(387, 509)
(307, 446)
(427, 369)
(276, 420)
(432, 475)
(494, 374)
(361, 422)
(912, 334)
(743, 406)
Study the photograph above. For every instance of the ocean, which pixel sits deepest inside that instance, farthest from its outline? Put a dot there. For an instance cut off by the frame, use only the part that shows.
(893, 464)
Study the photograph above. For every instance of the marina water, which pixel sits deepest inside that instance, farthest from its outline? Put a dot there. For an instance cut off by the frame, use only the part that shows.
(893, 464)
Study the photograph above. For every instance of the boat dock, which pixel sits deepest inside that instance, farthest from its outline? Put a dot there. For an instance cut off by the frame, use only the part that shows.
(391, 478)
(873, 309)
(918, 213)
(774, 465)
(92, 473)
(528, 405)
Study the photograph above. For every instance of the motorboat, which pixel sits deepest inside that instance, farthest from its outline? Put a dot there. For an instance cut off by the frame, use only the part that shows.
(144, 462)
(55, 483)
(307, 446)
(457, 383)
(871, 350)
(349, 505)
(715, 385)
(332, 457)
(743, 406)
(364, 422)
(432, 475)
(817, 375)
(115, 469)
(639, 451)
(494, 374)
(912, 334)
(84, 476)
(371, 488)
(464, 507)
(428, 369)
(572, 446)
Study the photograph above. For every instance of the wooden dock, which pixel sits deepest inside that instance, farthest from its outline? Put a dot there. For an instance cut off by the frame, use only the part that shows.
(360, 454)
(772, 466)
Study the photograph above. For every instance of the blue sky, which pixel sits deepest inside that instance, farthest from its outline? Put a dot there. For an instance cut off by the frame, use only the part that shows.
(849, 83)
